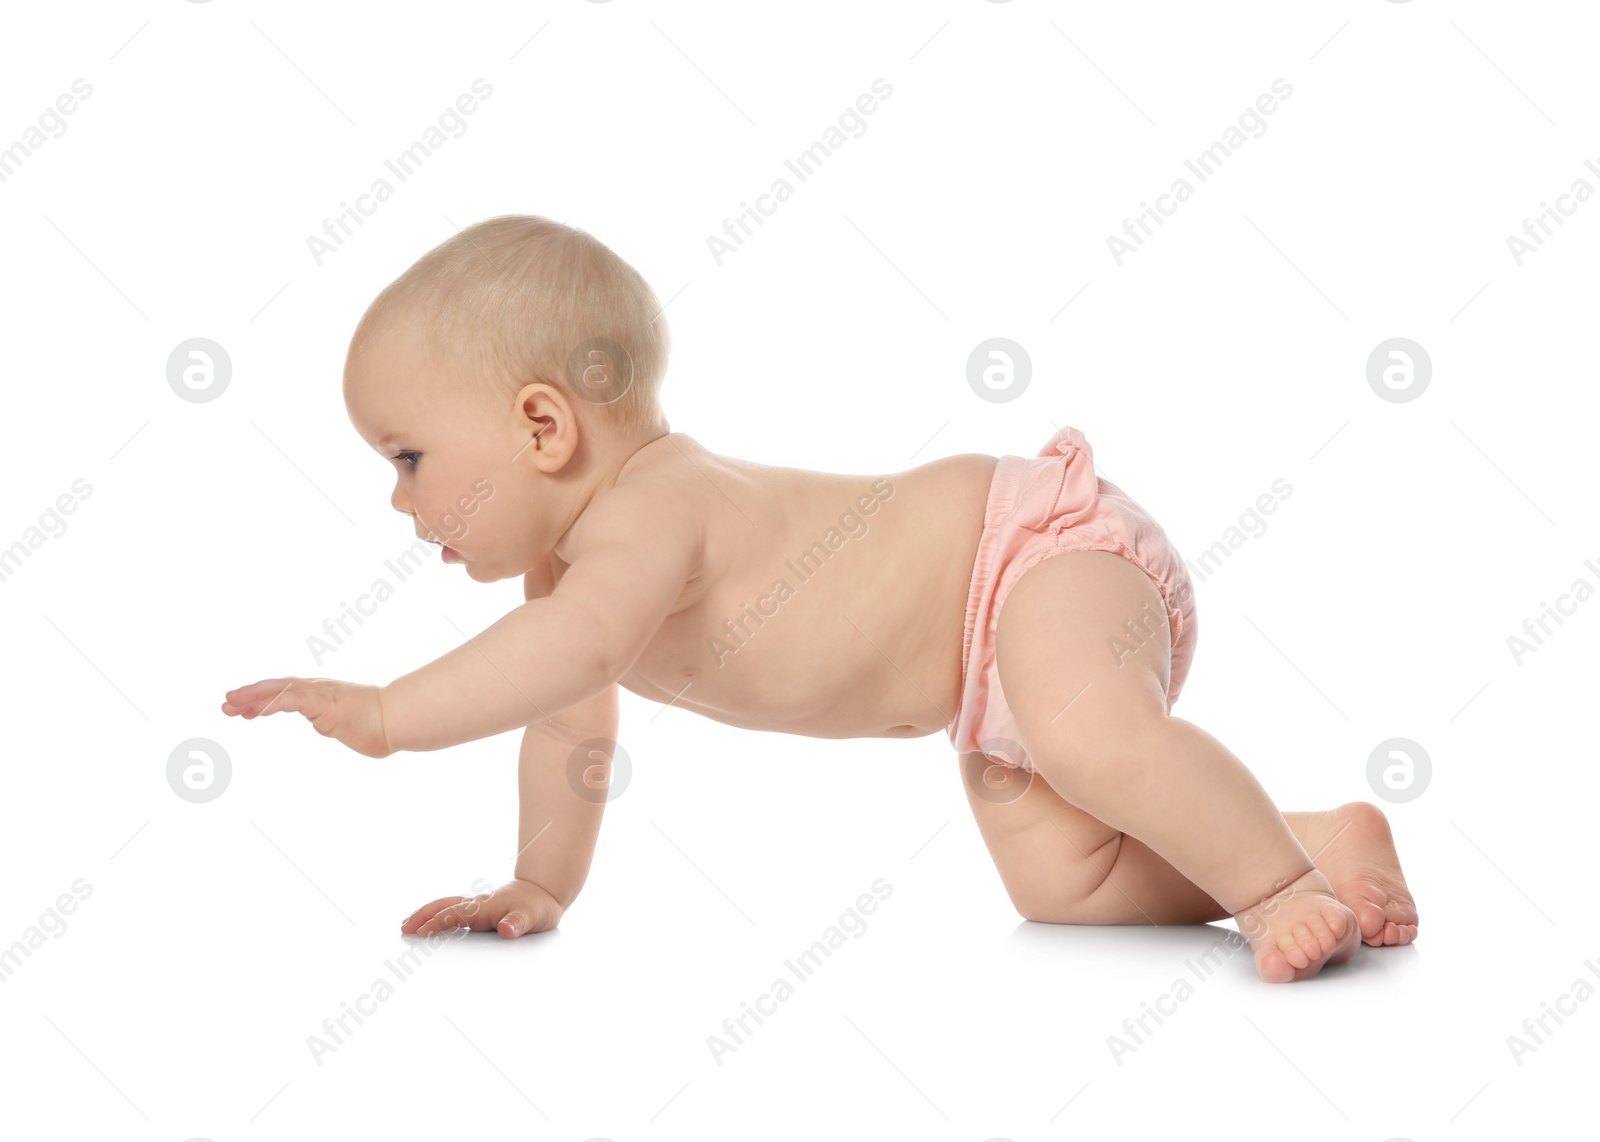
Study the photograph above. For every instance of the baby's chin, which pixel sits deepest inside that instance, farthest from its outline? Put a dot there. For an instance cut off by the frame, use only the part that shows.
(481, 571)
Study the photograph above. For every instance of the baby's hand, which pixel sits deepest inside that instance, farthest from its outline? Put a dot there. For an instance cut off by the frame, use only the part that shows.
(514, 909)
(353, 714)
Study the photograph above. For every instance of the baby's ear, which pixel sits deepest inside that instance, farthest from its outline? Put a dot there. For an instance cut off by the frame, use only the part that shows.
(550, 420)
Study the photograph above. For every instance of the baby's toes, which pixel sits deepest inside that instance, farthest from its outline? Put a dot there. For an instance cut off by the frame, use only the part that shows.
(1398, 933)
(1322, 933)
(1402, 914)
(1370, 919)
(1340, 920)
(1346, 932)
(1309, 942)
(1273, 967)
(1294, 948)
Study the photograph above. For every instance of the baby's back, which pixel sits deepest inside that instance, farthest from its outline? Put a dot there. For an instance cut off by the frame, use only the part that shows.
(824, 605)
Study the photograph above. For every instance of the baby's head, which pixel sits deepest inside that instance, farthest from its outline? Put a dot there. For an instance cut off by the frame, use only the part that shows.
(507, 374)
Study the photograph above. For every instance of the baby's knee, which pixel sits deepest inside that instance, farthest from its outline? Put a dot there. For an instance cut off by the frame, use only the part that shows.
(1061, 897)
(1091, 908)
(1107, 748)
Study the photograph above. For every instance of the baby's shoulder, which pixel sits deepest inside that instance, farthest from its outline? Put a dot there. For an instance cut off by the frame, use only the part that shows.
(651, 501)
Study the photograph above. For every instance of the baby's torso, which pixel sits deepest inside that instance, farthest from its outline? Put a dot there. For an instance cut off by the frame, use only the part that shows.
(825, 605)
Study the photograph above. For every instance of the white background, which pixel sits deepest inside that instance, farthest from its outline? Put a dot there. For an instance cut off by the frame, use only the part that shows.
(1227, 353)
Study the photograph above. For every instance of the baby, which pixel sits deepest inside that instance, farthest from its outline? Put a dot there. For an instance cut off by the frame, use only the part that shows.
(511, 376)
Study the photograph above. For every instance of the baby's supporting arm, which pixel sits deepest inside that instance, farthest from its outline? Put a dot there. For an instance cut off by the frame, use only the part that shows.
(561, 802)
(558, 823)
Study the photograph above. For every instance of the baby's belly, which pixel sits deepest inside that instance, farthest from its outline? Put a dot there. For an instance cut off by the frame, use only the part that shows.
(825, 692)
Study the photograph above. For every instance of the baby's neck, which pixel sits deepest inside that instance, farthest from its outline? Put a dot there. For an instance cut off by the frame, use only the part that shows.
(619, 455)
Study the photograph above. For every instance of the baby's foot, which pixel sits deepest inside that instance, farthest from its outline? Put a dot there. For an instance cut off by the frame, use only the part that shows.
(1298, 929)
(1354, 848)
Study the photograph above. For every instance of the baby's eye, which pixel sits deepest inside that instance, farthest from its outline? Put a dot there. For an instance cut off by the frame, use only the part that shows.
(403, 456)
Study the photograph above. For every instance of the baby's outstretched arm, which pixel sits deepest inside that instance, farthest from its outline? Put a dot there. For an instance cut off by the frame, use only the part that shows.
(628, 568)
(631, 553)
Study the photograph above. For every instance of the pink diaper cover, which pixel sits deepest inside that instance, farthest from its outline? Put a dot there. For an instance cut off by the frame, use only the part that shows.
(1040, 507)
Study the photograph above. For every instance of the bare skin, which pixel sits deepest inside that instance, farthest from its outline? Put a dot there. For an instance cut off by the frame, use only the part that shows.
(816, 604)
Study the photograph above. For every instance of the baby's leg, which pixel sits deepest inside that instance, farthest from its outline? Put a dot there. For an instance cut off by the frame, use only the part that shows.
(1092, 713)
(1059, 865)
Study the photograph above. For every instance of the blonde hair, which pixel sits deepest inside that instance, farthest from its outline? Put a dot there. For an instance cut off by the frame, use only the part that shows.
(519, 299)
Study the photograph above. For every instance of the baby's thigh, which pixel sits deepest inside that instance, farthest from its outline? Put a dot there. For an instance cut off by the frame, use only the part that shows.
(1083, 652)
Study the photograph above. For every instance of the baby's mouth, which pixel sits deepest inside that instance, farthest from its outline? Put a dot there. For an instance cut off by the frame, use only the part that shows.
(446, 552)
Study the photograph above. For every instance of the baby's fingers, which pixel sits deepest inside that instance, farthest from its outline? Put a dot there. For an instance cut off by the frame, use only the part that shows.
(470, 912)
(422, 915)
(513, 924)
(269, 696)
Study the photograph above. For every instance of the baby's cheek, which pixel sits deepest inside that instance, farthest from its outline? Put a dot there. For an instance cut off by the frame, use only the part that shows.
(450, 527)
(452, 522)
(471, 510)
